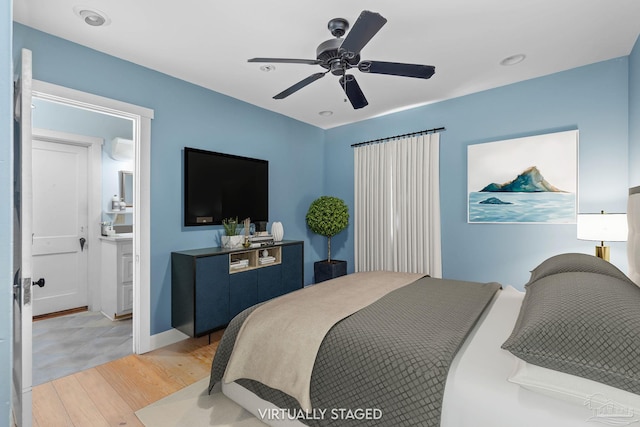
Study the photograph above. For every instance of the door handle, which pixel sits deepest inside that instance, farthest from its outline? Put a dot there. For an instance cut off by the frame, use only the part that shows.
(40, 282)
(16, 286)
(82, 242)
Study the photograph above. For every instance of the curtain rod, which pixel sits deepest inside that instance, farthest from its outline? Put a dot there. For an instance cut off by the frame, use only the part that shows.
(375, 141)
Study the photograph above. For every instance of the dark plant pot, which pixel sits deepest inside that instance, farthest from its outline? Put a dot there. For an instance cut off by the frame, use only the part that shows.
(325, 270)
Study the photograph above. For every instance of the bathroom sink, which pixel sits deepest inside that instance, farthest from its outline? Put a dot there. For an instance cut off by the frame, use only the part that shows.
(123, 235)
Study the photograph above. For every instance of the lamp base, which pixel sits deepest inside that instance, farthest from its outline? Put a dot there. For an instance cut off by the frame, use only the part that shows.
(603, 252)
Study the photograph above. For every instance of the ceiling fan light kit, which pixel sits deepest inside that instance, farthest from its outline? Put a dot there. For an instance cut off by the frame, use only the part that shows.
(339, 55)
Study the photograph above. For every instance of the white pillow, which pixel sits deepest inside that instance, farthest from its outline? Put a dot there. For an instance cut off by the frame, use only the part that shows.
(572, 388)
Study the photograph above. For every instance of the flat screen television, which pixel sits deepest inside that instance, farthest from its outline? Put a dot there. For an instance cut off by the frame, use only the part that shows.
(219, 186)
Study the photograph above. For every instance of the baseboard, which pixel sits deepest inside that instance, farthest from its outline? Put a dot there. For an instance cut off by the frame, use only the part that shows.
(166, 338)
(60, 313)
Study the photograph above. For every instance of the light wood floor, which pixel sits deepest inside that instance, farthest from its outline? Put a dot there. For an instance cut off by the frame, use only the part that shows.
(109, 394)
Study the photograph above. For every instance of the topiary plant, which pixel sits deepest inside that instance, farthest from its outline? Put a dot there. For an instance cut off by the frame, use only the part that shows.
(328, 216)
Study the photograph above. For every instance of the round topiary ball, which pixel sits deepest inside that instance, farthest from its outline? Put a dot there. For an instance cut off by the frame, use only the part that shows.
(327, 216)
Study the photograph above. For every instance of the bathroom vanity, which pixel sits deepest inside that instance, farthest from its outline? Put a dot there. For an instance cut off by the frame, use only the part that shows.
(116, 275)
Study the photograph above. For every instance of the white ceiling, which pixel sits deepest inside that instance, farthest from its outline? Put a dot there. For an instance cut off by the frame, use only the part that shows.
(208, 43)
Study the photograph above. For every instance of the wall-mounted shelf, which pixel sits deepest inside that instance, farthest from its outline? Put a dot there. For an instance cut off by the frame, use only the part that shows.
(119, 212)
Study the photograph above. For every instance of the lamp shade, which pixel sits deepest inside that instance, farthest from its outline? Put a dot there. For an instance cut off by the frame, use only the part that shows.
(604, 227)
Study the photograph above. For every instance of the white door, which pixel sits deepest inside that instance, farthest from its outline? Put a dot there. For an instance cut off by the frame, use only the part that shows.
(21, 398)
(60, 216)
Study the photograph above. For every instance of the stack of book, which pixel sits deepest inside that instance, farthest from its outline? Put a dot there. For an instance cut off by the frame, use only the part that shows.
(266, 259)
(239, 263)
(261, 240)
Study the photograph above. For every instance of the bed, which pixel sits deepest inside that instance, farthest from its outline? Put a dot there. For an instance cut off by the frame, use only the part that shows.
(563, 353)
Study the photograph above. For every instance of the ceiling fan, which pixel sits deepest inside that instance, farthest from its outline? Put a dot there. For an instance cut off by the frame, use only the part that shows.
(339, 55)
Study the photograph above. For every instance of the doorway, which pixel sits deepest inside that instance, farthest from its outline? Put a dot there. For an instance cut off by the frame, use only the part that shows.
(26, 89)
(140, 119)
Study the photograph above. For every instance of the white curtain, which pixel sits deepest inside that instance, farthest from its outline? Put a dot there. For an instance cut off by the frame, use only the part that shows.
(397, 206)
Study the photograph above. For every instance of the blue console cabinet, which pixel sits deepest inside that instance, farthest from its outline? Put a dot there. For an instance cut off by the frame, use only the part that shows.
(210, 286)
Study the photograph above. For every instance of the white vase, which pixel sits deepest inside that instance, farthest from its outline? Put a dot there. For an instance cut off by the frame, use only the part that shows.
(277, 231)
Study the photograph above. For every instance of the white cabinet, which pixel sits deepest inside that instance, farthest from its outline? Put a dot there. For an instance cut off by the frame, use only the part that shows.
(116, 277)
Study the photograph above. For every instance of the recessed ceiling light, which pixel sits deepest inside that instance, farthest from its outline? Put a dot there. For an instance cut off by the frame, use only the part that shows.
(325, 113)
(267, 68)
(513, 59)
(91, 16)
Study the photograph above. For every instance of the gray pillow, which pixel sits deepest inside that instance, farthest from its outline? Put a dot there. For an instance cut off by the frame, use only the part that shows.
(575, 262)
(581, 323)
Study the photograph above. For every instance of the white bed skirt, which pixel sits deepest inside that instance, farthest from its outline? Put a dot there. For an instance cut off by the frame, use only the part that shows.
(633, 241)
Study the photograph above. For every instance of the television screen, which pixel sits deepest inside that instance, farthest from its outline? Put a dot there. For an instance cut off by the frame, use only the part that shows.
(219, 186)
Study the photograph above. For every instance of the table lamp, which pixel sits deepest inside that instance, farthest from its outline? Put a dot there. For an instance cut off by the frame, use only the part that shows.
(609, 227)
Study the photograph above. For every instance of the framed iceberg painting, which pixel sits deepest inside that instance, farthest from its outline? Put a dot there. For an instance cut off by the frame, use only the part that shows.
(524, 180)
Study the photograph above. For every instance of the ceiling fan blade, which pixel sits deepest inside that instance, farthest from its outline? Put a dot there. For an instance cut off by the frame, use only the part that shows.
(353, 91)
(286, 60)
(397, 69)
(366, 26)
(296, 87)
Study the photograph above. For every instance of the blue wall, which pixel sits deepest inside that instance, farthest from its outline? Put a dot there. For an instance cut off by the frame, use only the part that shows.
(634, 115)
(593, 99)
(189, 115)
(6, 238)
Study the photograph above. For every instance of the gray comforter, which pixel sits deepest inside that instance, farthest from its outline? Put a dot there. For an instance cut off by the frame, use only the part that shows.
(385, 365)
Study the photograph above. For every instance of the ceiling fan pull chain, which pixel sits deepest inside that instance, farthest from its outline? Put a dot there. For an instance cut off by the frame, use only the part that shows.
(344, 81)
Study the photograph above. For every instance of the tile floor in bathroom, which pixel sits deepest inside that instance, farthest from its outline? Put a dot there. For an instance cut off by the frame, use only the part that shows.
(75, 342)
